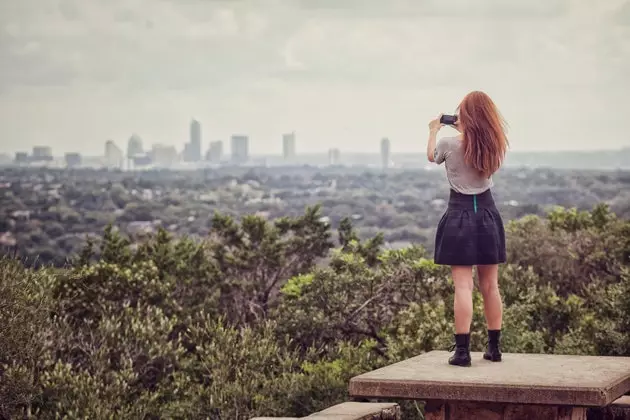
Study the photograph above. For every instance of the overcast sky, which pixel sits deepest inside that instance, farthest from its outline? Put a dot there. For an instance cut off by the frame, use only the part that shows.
(341, 73)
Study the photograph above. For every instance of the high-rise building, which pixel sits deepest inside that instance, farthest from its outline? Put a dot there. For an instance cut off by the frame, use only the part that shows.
(195, 141)
(385, 152)
(187, 152)
(240, 148)
(5, 159)
(288, 146)
(134, 146)
(192, 149)
(334, 156)
(42, 153)
(73, 160)
(114, 157)
(21, 157)
(143, 160)
(215, 152)
(163, 156)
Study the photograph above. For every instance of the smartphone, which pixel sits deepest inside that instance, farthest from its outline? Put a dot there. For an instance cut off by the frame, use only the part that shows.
(448, 119)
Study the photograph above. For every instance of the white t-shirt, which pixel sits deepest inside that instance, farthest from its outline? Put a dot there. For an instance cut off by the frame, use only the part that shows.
(463, 178)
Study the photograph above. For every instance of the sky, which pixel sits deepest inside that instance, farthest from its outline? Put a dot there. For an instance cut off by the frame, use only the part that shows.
(340, 73)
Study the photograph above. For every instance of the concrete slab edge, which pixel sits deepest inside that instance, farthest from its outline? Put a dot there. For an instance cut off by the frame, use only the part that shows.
(350, 411)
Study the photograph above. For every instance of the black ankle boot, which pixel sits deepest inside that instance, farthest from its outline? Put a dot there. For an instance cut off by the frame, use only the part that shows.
(493, 352)
(462, 351)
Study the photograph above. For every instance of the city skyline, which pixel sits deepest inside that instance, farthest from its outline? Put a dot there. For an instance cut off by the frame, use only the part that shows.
(167, 157)
(340, 73)
(158, 155)
(215, 150)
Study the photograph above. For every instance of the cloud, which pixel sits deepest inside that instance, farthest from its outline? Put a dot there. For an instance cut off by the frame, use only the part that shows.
(510, 9)
(623, 14)
(135, 44)
(256, 65)
(142, 45)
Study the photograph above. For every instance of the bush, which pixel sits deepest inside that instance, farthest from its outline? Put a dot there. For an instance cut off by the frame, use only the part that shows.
(261, 318)
(24, 329)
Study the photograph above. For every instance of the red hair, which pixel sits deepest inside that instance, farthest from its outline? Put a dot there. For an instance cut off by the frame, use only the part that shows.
(483, 129)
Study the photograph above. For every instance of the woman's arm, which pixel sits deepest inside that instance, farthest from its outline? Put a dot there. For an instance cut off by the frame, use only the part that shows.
(431, 145)
(434, 127)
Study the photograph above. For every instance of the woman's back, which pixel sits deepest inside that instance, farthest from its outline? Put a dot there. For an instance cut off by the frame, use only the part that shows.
(462, 177)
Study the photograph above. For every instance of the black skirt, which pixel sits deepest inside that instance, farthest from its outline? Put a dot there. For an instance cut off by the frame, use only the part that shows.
(470, 232)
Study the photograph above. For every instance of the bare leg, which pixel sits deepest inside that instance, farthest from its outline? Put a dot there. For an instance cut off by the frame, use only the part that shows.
(489, 287)
(462, 277)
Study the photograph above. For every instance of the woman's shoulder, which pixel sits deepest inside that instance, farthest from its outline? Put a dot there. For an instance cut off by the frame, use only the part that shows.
(450, 142)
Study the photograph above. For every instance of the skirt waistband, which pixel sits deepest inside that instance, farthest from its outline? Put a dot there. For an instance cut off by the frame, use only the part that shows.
(461, 201)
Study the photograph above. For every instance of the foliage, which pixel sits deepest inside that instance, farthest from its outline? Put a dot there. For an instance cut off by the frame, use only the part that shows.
(48, 214)
(24, 330)
(267, 317)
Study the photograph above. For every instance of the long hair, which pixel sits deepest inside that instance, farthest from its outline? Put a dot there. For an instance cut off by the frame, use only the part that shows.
(483, 129)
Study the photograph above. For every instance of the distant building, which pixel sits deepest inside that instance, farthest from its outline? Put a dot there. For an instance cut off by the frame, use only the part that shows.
(187, 153)
(192, 149)
(42, 153)
(163, 156)
(240, 148)
(134, 146)
(141, 160)
(288, 146)
(21, 157)
(135, 151)
(215, 152)
(114, 157)
(334, 156)
(385, 152)
(195, 140)
(73, 160)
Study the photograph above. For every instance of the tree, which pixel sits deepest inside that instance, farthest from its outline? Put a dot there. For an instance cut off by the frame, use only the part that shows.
(256, 257)
(24, 306)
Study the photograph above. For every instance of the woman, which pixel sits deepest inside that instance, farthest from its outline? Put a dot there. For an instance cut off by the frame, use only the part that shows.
(471, 231)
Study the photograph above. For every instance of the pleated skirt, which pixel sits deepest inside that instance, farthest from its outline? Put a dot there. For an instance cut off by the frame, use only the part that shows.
(471, 231)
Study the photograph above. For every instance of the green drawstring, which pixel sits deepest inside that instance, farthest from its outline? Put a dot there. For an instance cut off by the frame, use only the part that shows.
(475, 202)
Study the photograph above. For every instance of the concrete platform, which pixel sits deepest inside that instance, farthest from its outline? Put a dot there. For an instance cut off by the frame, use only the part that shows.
(540, 379)
(351, 411)
(358, 411)
(618, 410)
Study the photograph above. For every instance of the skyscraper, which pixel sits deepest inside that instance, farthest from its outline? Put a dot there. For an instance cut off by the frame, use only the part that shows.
(5, 159)
(195, 141)
(113, 155)
(288, 146)
(134, 146)
(42, 153)
(215, 152)
(240, 148)
(163, 156)
(21, 157)
(385, 152)
(73, 160)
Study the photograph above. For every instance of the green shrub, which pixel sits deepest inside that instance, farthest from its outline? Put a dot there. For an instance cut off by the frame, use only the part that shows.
(260, 318)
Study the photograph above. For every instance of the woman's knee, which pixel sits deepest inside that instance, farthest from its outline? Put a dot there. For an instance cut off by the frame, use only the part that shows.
(462, 278)
(488, 287)
(488, 279)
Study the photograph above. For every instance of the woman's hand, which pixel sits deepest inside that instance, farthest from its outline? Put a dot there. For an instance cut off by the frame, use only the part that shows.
(435, 124)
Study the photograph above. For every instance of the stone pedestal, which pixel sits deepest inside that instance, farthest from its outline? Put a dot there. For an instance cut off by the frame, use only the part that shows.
(523, 386)
(460, 410)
